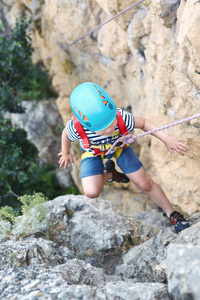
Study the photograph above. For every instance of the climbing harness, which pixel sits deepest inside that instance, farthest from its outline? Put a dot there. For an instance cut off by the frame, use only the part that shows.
(100, 149)
(130, 138)
(91, 31)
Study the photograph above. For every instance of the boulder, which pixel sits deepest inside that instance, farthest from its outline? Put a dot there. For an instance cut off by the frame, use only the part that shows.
(74, 247)
(83, 224)
(147, 262)
(183, 271)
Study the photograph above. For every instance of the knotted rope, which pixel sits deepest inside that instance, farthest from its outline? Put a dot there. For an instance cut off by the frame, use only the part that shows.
(130, 138)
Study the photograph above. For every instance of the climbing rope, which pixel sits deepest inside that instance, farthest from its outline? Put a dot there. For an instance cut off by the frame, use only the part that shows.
(130, 138)
(91, 31)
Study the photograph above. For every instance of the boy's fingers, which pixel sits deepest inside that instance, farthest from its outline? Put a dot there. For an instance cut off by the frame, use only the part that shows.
(182, 145)
(171, 151)
(181, 153)
(182, 140)
(61, 159)
(183, 148)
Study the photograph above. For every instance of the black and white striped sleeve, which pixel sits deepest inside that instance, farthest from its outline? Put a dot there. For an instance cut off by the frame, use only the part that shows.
(128, 119)
(71, 130)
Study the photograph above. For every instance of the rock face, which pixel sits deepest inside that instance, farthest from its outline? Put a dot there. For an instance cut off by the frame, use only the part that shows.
(43, 125)
(147, 59)
(183, 274)
(74, 247)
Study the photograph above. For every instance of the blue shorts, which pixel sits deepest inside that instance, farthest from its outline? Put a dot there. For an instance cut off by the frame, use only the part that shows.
(127, 161)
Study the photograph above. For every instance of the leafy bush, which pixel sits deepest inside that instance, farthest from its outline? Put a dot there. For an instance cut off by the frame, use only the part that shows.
(19, 78)
(17, 155)
(8, 216)
(20, 169)
(30, 201)
(7, 213)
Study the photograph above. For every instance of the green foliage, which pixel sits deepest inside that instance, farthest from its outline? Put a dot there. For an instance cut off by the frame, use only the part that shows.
(34, 201)
(7, 213)
(20, 169)
(81, 255)
(30, 201)
(19, 78)
(33, 211)
(17, 155)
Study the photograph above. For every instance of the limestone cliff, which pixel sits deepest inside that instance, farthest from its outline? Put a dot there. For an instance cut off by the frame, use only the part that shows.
(148, 60)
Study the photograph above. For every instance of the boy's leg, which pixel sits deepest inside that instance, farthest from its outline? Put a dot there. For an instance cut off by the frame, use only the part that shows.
(93, 176)
(155, 192)
(93, 185)
(132, 167)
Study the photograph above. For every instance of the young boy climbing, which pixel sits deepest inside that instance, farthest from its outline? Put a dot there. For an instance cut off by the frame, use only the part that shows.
(97, 124)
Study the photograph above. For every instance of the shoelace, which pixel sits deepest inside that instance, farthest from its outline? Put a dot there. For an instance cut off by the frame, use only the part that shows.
(177, 217)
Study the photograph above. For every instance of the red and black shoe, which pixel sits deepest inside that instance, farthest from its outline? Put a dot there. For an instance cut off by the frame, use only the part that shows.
(117, 176)
(178, 221)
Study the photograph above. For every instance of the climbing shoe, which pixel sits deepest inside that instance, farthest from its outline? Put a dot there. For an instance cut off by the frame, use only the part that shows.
(117, 176)
(178, 221)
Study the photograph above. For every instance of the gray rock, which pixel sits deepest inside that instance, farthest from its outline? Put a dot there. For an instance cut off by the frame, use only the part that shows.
(40, 281)
(79, 272)
(32, 252)
(183, 271)
(49, 220)
(153, 217)
(5, 229)
(147, 262)
(191, 235)
(64, 177)
(73, 280)
(43, 125)
(98, 226)
(69, 247)
(168, 11)
(79, 222)
(136, 291)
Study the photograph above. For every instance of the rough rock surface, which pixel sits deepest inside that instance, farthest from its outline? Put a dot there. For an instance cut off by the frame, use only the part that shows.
(147, 59)
(83, 224)
(43, 125)
(136, 261)
(183, 273)
(74, 247)
(33, 282)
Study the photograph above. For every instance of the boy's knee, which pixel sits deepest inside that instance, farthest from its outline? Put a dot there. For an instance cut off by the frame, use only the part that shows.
(145, 185)
(92, 193)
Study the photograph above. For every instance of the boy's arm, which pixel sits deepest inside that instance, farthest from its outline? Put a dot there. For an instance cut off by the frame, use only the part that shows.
(65, 150)
(172, 143)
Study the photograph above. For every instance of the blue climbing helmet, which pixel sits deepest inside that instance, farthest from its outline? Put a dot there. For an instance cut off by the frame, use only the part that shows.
(93, 107)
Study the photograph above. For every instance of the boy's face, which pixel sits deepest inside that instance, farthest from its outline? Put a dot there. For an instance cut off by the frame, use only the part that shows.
(108, 131)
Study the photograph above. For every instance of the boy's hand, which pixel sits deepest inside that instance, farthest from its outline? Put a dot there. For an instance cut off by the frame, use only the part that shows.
(65, 159)
(174, 144)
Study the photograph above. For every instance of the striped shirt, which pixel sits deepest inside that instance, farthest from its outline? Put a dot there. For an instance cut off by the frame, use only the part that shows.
(96, 139)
